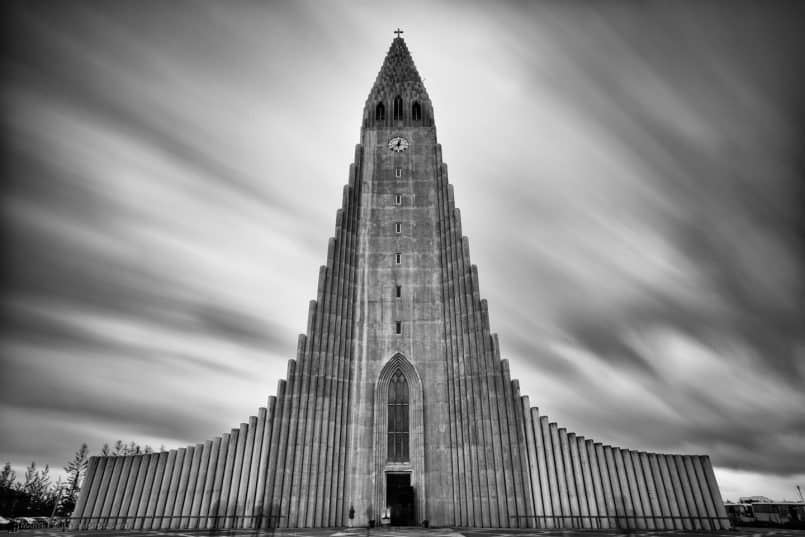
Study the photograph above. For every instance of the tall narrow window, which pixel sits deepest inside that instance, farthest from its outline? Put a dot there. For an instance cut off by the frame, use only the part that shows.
(398, 418)
(397, 227)
(380, 112)
(398, 258)
(398, 107)
(416, 112)
(399, 291)
(397, 172)
(397, 199)
(398, 327)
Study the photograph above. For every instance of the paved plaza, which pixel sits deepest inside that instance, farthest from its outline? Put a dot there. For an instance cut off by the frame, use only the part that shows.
(415, 532)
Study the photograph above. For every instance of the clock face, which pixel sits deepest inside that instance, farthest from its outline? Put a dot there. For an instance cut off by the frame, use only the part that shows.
(398, 143)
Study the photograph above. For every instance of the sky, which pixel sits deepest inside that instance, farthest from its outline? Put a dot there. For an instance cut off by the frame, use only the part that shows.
(629, 176)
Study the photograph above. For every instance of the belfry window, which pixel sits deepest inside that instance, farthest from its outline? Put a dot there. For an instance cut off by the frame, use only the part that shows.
(398, 258)
(380, 112)
(398, 418)
(399, 291)
(416, 112)
(398, 107)
(398, 327)
(397, 199)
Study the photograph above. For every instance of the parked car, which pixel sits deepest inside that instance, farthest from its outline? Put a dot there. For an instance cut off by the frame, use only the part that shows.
(5, 523)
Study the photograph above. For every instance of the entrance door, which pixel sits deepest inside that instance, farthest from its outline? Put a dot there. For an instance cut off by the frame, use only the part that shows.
(400, 499)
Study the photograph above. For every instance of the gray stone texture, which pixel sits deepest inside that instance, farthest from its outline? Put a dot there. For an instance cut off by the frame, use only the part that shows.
(480, 455)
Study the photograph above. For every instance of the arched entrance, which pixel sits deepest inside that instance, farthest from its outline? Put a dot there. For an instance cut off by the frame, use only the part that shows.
(399, 444)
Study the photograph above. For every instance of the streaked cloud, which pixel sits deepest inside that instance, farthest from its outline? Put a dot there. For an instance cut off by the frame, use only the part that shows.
(629, 177)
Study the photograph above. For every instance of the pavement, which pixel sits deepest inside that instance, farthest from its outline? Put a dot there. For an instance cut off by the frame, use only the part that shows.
(413, 532)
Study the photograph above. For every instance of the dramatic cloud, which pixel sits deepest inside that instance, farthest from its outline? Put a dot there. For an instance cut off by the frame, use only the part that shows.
(630, 177)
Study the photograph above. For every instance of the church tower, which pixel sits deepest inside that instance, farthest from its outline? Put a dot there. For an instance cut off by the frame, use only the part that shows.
(398, 407)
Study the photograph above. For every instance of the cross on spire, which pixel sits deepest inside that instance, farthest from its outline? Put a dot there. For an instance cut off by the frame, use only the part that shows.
(398, 31)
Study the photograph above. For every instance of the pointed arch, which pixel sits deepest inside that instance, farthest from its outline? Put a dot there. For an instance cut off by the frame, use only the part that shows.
(398, 108)
(399, 369)
(380, 112)
(398, 418)
(416, 111)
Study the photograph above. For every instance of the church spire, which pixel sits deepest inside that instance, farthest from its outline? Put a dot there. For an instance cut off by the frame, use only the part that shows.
(398, 77)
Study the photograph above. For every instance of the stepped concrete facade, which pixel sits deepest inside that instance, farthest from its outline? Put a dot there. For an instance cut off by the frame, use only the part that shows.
(398, 407)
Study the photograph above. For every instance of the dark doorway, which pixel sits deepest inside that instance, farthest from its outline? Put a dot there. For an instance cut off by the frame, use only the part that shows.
(400, 499)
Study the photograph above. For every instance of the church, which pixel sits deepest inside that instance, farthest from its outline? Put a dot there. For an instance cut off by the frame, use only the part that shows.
(398, 408)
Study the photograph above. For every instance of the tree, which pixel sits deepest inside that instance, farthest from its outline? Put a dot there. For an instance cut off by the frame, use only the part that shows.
(75, 471)
(7, 477)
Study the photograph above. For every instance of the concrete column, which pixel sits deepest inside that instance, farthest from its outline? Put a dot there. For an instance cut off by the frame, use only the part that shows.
(467, 388)
(533, 467)
(306, 441)
(640, 478)
(187, 488)
(679, 493)
(181, 487)
(605, 474)
(309, 508)
(284, 464)
(634, 492)
(651, 491)
(112, 488)
(568, 479)
(240, 473)
(105, 468)
(522, 475)
(480, 499)
(320, 472)
(693, 483)
(662, 495)
(147, 470)
(273, 476)
(338, 510)
(307, 379)
(262, 468)
(687, 493)
(209, 484)
(456, 422)
(176, 476)
(561, 475)
(542, 467)
(588, 500)
(120, 492)
(122, 512)
(477, 343)
(576, 484)
(339, 485)
(620, 487)
(467, 462)
(164, 487)
(707, 500)
(220, 489)
(156, 488)
(550, 459)
(199, 485)
(83, 505)
(244, 471)
(234, 484)
(105, 465)
(256, 459)
(128, 509)
(715, 494)
(598, 490)
(493, 447)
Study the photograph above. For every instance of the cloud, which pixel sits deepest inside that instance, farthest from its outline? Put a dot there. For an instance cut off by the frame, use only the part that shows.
(629, 177)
